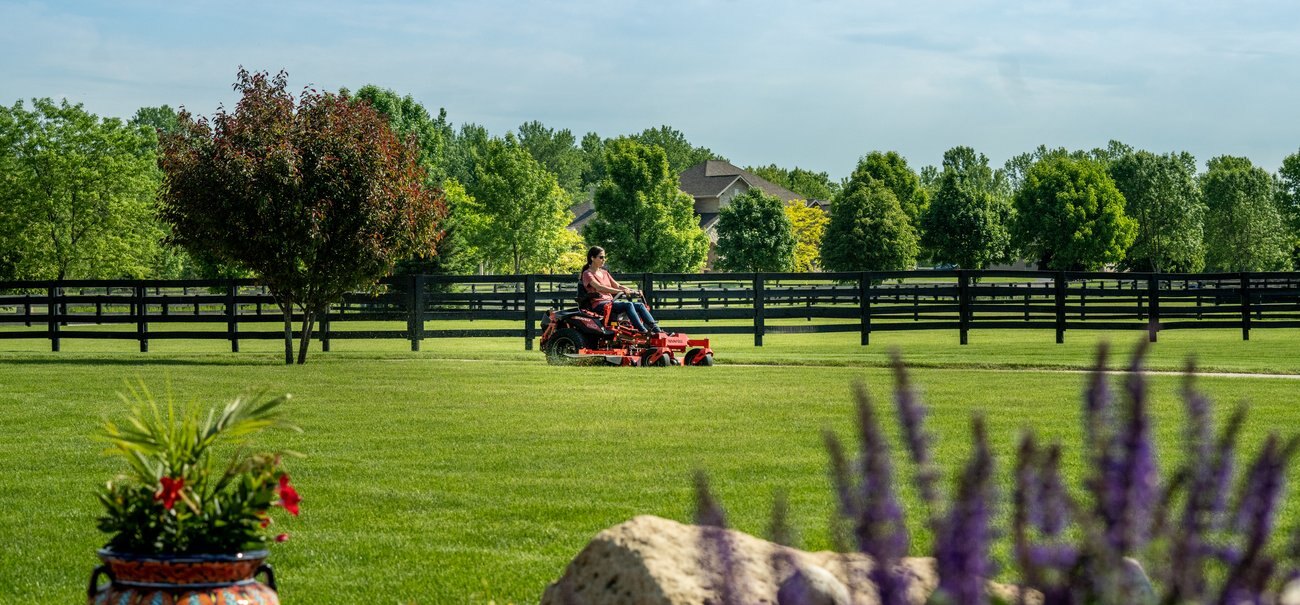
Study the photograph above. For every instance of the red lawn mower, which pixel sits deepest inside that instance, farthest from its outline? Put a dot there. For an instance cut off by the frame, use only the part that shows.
(584, 335)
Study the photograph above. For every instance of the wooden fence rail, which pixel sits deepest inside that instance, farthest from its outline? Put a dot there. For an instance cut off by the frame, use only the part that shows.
(419, 307)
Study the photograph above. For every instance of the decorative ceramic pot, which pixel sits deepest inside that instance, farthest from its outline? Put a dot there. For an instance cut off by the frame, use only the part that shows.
(182, 580)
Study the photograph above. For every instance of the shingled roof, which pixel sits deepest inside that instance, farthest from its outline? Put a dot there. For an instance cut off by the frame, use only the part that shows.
(711, 178)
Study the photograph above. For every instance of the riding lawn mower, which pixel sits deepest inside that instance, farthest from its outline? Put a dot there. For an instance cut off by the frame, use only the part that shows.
(586, 335)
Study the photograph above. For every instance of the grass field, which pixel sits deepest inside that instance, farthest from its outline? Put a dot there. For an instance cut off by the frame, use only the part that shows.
(472, 472)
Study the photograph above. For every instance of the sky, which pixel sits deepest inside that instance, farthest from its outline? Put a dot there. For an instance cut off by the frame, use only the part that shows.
(814, 84)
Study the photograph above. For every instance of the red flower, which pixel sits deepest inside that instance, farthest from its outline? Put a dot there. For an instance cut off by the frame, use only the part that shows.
(266, 520)
(169, 492)
(289, 497)
(282, 537)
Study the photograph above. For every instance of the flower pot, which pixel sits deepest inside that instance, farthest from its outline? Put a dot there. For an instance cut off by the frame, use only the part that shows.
(182, 579)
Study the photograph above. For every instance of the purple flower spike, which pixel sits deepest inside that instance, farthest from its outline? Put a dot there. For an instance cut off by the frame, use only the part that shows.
(962, 547)
(717, 553)
(1257, 514)
(880, 528)
(1138, 477)
(1096, 404)
(1055, 503)
(911, 414)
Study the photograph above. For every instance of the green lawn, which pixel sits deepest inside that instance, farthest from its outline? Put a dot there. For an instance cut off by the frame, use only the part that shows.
(472, 472)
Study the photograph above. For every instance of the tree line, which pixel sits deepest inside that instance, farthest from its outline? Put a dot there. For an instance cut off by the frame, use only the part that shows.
(81, 198)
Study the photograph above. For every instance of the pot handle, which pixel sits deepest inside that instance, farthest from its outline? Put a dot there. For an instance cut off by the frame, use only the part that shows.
(270, 575)
(93, 588)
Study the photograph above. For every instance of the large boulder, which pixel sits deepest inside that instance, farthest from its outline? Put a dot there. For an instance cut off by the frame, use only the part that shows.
(655, 561)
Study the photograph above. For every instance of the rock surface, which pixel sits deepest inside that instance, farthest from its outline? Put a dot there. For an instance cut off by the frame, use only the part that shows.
(655, 561)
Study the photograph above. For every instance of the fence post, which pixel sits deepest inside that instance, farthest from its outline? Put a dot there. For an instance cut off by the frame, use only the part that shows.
(1245, 306)
(758, 310)
(864, 305)
(1059, 282)
(963, 304)
(647, 289)
(415, 315)
(27, 309)
(1153, 306)
(142, 319)
(325, 329)
(530, 309)
(232, 316)
(51, 315)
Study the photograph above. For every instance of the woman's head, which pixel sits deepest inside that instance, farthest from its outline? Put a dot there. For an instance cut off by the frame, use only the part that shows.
(595, 256)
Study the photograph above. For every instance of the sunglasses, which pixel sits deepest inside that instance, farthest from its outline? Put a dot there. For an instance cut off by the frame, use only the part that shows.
(601, 256)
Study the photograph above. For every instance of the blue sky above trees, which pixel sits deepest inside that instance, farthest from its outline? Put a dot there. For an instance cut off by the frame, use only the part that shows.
(812, 84)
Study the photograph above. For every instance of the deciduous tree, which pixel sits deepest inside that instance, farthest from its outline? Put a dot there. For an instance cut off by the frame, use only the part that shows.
(968, 221)
(892, 171)
(1161, 194)
(77, 194)
(557, 151)
(408, 118)
(642, 219)
(1243, 228)
(678, 151)
(1069, 215)
(516, 213)
(316, 195)
(754, 234)
(868, 230)
(809, 225)
(1288, 201)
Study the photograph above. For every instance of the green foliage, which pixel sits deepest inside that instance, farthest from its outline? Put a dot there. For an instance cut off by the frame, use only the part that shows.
(809, 225)
(318, 197)
(868, 230)
(176, 499)
(892, 171)
(968, 221)
(77, 194)
(1288, 201)
(754, 234)
(1069, 215)
(593, 161)
(408, 118)
(1243, 229)
(678, 151)
(452, 254)
(467, 150)
(557, 151)
(1161, 194)
(642, 219)
(161, 119)
(515, 216)
(811, 185)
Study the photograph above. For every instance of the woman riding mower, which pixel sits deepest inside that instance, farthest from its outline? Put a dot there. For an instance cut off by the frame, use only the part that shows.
(603, 287)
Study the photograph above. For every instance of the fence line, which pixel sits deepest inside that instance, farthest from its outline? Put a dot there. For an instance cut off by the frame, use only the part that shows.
(412, 307)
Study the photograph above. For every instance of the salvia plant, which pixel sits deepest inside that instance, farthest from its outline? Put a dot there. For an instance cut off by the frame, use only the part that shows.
(177, 497)
(1205, 532)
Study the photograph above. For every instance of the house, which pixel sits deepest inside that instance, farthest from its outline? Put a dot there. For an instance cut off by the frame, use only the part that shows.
(713, 184)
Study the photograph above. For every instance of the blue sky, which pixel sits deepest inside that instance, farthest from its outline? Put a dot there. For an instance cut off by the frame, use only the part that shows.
(814, 84)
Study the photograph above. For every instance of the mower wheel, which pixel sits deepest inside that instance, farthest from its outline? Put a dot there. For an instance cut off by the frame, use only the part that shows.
(697, 357)
(563, 343)
(662, 362)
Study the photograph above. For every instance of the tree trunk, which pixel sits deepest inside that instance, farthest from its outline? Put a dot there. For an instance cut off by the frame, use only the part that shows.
(308, 322)
(287, 309)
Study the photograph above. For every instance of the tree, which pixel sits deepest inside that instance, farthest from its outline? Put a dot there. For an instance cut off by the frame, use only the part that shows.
(516, 213)
(968, 221)
(593, 162)
(1243, 228)
(868, 230)
(1161, 194)
(811, 185)
(808, 224)
(408, 118)
(1288, 200)
(557, 152)
(679, 152)
(77, 194)
(892, 171)
(316, 195)
(466, 151)
(754, 234)
(161, 119)
(1069, 215)
(644, 221)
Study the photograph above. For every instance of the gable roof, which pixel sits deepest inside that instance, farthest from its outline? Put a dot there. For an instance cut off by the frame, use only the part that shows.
(711, 178)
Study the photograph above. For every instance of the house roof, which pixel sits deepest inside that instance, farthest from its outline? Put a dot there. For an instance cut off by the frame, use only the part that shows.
(583, 212)
(711, 178)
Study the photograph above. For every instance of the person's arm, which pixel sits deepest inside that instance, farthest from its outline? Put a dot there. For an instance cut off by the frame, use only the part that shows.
(594, 284)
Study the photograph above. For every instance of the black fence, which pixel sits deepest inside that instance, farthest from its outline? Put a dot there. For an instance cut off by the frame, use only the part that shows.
(415, 308)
